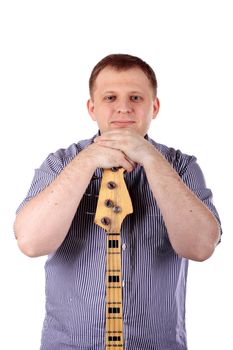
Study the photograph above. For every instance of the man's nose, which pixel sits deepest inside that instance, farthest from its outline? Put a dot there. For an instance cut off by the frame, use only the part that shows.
(124, 107)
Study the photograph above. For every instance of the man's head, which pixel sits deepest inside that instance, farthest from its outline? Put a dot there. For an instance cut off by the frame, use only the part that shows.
(122, 62)
(123, 91)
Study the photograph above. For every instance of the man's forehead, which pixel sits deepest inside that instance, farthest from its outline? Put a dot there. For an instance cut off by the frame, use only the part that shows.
(113, 72)
(132, 76)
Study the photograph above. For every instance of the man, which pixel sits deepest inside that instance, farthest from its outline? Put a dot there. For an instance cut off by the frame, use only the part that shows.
(173, 220)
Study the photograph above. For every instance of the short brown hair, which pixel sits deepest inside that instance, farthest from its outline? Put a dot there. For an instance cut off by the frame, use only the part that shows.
(123, 62)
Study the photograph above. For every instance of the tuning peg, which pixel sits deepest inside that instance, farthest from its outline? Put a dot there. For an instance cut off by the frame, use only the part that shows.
(111, 185)
(108, 203)
(89, 213)
(91, 195)
(116, 209)
(105, 220)
(115, 169)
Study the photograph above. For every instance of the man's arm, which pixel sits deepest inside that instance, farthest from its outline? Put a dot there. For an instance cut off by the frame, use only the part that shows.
(42, 225)
(192, 228)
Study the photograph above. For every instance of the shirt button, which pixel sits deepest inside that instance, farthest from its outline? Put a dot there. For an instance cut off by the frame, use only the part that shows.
(123, 246)
(123, 283)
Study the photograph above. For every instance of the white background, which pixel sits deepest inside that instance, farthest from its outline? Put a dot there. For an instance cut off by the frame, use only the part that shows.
(48, 49)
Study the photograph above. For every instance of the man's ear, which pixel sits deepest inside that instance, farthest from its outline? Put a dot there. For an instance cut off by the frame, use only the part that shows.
(91, 108)
(156, 106)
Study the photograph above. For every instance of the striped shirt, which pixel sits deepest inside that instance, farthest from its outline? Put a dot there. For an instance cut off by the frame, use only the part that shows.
(153, 275)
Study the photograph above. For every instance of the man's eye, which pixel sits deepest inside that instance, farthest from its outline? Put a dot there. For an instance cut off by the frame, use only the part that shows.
(110, 98)
(136, 98)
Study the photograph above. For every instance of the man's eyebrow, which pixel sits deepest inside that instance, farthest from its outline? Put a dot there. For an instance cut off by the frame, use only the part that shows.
(109, 92)
(136, 92)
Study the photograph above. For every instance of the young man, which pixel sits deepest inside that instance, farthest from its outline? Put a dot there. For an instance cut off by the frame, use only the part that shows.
(173, 220)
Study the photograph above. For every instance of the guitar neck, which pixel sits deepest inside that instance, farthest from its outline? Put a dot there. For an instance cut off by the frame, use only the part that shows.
(114, 322)
(114, 204)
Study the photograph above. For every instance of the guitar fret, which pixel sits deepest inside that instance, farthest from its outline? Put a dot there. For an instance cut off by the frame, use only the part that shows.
(114, 332)
(113, 345)
(114, 302)
(113, 270)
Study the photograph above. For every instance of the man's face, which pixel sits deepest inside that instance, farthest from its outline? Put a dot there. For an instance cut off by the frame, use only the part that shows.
(123, 99)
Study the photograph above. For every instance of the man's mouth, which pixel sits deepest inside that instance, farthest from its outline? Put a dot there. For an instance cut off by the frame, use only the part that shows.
(122, 123)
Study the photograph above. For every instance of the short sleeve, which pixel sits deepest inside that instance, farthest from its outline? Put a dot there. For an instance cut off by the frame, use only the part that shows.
(43, 176)
(51, 168)
(193, 177)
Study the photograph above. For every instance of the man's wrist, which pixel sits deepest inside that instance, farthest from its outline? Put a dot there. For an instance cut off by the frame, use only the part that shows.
(86, 160)
(150, 158)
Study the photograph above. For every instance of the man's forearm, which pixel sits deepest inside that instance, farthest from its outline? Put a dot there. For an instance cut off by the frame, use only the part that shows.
(42, 225)
(193, 230)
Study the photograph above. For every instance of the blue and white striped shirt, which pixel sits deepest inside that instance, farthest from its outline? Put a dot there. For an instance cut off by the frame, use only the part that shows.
(154, 276)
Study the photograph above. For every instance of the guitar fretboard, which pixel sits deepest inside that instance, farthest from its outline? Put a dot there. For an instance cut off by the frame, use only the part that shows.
(114, 322)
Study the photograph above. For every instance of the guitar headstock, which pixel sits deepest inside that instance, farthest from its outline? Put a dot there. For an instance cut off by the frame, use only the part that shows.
(114, 202)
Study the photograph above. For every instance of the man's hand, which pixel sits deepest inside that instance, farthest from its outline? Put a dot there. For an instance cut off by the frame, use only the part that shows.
(136, 148)
(104, 157)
